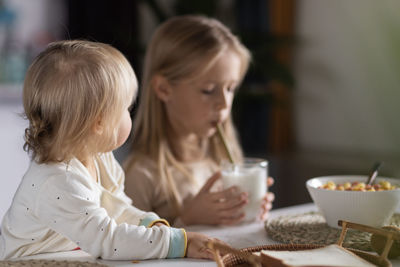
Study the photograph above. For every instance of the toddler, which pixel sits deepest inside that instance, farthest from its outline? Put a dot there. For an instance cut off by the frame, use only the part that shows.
(77, 96)
(192, 69)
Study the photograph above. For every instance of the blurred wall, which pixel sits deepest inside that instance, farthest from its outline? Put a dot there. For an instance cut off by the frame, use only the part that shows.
(25, 29)
(348, 74)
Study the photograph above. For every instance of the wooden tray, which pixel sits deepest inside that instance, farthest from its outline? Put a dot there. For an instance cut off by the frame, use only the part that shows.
(234, 260)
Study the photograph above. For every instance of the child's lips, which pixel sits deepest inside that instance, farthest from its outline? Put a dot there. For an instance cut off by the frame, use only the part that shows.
(215, 123)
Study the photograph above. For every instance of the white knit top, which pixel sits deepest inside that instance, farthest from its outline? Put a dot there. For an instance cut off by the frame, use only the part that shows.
(59, 207)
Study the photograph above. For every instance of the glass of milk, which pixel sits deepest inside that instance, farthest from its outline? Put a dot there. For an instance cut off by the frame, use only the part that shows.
(251, 177)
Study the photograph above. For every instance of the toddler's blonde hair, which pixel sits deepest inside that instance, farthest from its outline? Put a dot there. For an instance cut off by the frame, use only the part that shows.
(68, 89)
(181, 49)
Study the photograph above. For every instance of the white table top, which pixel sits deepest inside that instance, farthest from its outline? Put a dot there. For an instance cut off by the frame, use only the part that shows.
(239, 236)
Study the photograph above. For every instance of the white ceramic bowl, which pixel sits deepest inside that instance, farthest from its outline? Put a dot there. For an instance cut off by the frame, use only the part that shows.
(370, 208)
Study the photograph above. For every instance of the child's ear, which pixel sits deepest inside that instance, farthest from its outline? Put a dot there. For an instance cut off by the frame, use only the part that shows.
(98, 127)
(161, 87)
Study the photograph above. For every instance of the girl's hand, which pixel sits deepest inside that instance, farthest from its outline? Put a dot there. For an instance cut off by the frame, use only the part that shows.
(266, 204)
(224, 207)
(197, 246)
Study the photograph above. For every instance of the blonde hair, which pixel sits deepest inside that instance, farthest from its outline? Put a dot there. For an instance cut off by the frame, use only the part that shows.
(181, 49)
(67, 89)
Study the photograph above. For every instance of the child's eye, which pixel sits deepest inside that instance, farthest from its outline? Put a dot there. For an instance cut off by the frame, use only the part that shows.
(232, 89)
(208, 91)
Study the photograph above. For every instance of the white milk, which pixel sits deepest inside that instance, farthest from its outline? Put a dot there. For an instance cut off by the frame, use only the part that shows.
(250, 177)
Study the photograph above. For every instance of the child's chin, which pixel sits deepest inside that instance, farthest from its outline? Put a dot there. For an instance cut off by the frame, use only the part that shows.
(211, 132)
(206, 134)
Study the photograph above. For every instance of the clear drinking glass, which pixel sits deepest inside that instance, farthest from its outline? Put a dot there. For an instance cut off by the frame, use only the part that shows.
(251, 177)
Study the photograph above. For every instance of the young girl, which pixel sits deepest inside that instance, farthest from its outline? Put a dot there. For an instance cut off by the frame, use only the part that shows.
(192, 68)
(76, 97)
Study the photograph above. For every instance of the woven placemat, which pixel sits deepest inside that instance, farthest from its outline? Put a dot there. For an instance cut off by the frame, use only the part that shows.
(311, 228)
(48, 263)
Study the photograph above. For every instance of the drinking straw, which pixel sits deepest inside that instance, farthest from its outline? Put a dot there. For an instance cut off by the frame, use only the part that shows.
(223, 139)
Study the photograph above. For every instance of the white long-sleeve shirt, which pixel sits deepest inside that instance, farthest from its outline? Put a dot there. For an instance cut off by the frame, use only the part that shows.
(59, 207)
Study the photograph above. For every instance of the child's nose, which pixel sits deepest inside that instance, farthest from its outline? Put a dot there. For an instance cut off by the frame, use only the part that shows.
(222, 100)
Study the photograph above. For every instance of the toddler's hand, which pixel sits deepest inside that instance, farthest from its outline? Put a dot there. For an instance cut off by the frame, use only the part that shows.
(197, 246)
(224, 207)
(266, 204)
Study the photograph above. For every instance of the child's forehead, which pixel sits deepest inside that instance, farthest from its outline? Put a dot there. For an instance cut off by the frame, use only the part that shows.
(225, 69)
(206, 82)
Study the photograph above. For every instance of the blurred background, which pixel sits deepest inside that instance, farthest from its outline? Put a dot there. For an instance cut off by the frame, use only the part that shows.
(320, 98)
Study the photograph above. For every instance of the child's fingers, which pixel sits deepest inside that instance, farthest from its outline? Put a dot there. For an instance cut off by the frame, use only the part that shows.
(270, 197)
(225, 194)
(266, 207)
(210, 182)
(265, 211)
(206, 253)
(223, 253)
(234, 203)
(220, 252)
(270, 181)
(265, 202)
(264, 216)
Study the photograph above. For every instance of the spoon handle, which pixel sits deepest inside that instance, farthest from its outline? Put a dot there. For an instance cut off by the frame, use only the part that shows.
(374, 173)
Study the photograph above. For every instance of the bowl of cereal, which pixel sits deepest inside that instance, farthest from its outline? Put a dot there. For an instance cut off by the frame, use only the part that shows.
(348, 198)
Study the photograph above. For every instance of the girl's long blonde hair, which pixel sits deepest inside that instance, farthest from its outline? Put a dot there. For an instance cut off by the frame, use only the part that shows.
(181, 49)
(67, 89)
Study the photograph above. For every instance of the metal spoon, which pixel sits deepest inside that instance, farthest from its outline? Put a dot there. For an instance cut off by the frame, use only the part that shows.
(374, 172)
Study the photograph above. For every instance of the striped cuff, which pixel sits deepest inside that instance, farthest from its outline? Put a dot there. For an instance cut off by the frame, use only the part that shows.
(178, 243)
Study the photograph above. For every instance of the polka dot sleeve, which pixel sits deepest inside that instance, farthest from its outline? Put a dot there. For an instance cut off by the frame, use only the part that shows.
(71, 206)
